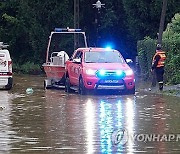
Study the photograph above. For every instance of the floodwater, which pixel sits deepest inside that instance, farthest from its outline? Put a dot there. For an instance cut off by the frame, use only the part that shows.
(54, 122)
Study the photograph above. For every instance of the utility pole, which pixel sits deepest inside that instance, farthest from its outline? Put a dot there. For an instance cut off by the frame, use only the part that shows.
(98, 5)
(161, 25)
(76, 23)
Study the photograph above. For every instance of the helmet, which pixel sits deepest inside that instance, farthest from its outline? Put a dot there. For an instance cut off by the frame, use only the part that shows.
(158, 47)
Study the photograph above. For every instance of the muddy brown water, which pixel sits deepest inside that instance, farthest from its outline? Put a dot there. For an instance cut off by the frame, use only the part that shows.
(53, 121)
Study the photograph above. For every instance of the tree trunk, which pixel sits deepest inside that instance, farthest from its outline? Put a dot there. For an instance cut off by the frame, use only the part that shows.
(161, 25)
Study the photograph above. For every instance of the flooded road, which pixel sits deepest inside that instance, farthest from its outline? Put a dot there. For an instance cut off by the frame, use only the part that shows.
(52, 121)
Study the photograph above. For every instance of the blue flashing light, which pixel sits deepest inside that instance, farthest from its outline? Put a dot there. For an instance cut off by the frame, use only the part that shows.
(108, 48)
(59, 29)
(77, 30)
(102, 72)
(116, 74)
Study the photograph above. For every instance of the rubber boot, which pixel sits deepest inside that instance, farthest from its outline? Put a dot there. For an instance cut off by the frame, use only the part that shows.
(161, 86)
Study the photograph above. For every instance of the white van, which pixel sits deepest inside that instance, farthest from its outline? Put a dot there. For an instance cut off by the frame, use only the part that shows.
(6, 79)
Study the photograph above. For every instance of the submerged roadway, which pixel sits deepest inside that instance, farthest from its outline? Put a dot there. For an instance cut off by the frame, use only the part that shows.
(53, 121)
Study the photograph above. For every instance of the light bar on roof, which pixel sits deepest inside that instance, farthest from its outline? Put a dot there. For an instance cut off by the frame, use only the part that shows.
(66, 30)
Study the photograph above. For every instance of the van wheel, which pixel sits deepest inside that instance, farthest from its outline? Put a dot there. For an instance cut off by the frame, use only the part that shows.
(67, 85)
(10, 84)
(8, 87)
(82, 89)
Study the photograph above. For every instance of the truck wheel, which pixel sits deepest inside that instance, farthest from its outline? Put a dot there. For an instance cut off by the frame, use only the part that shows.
(131, 91)
(67, 85)
(82, 89)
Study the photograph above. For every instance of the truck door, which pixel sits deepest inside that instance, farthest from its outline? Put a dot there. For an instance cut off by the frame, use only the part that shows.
(77, 67)
(73, 72)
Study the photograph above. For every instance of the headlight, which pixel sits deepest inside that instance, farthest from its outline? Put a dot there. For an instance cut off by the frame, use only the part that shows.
(90, 72)
(119, 72)
(102, 72)
(129, 72)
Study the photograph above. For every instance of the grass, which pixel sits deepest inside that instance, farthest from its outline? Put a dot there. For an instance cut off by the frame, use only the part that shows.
(172, 92)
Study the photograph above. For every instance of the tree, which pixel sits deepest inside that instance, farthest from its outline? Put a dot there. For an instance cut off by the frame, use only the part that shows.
(26, 24)
(161, 26)
(143, 16)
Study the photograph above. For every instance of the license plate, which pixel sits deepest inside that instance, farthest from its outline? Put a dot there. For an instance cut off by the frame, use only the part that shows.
(110, 81)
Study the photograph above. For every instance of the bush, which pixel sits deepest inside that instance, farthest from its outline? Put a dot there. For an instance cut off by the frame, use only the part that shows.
(27, 68)
(171, 38)
(146, 49)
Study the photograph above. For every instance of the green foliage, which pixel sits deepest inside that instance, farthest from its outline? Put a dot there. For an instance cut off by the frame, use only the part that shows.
(171, 44)
(27, 68)
(171, 39)
(146, 49)
(143, 16)
(25, 25)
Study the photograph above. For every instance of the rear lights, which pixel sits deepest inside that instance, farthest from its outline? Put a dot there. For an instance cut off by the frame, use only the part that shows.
(9, 67)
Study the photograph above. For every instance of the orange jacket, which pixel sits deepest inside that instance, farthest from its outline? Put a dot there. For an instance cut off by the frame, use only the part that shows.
(161, 61)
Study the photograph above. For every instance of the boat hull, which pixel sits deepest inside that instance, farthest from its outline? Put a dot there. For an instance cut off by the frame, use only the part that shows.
(54, 72)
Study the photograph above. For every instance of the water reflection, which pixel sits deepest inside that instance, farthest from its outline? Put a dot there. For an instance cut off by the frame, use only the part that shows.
(106, 126)
(90, 126)
(5, 122)
(112, 114)
(159, 117)
(130, 115)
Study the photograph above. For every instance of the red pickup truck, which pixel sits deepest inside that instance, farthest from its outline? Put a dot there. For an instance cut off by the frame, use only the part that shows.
(98, 68)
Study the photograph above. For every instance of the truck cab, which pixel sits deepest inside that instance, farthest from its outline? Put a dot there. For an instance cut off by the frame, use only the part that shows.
(6, 79)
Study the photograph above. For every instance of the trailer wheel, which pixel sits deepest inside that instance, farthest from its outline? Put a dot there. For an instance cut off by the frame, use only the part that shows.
(47, 84)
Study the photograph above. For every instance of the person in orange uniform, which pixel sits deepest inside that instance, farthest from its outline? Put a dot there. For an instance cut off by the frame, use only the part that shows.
(158, 65)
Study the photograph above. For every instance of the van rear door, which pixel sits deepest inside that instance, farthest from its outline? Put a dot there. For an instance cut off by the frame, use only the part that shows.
(3, 64)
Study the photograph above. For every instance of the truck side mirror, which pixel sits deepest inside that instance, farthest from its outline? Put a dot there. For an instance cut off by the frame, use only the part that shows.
(77, 60)
(129, 61)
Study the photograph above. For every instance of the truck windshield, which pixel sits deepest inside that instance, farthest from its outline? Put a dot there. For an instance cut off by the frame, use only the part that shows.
(103, 57)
